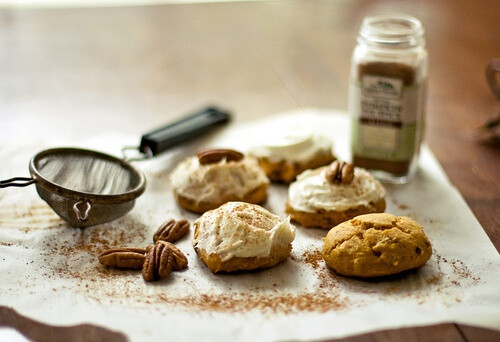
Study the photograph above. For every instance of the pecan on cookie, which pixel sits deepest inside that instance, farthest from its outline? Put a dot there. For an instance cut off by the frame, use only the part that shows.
(340, 172)
(216, 155)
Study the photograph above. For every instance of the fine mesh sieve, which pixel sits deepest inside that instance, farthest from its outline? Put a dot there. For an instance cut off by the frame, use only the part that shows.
(86, 187)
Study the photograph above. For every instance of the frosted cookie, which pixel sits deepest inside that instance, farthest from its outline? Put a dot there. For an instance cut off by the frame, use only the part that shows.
(214, 177)
(286, 153)
(376, 245)
(240, 236)
(329, 195)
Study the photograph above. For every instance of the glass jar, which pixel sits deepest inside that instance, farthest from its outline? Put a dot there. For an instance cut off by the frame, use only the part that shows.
(387, 96)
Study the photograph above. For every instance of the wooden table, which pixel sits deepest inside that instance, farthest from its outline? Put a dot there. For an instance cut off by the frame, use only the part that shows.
(75, 72)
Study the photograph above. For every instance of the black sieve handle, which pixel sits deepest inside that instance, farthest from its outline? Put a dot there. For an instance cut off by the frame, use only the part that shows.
(190, 127)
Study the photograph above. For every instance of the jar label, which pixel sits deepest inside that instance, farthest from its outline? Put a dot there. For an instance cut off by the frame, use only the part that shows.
(385, 115)
(382, 87)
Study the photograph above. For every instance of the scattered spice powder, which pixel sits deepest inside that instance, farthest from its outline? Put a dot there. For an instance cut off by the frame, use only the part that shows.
(74, 256)
(274, 302)
(401, 206)
(92, 278)
(330, 295)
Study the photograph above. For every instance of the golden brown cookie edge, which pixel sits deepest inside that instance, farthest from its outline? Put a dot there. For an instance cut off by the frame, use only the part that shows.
(326, 219)
(278, 254)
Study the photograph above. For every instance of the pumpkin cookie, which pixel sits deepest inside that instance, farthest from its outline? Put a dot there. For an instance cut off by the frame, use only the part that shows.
(214, 177)
(329, 195)
(376, 245)
(240, 236)
(288, 152)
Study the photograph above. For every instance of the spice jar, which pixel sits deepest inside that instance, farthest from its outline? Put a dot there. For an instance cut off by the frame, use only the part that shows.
(387, 96)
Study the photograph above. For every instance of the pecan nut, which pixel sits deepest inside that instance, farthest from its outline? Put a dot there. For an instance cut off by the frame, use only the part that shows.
(340, 172)
(161, 259)
(172, 230)
(123, 257)
(216, 155)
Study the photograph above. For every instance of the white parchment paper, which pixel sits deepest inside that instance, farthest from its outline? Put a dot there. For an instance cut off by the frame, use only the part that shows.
(50, 272)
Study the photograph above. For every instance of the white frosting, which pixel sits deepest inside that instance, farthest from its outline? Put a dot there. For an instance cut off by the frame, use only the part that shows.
(311, 191)
(211, 182)
(238, 229)
(293, 144)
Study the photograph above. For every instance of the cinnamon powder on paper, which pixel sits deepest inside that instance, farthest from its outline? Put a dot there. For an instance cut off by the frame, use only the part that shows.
(331, 294)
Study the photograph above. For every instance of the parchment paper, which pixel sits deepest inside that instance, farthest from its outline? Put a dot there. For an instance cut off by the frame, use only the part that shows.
(50, 272)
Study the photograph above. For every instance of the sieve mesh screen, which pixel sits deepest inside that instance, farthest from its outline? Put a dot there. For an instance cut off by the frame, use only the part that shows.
(84, 173)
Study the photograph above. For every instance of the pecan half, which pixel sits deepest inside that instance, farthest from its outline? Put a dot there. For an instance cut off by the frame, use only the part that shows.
(216, 155)
(162, 258)
(340, 172)
(123, 257)
(171, 230)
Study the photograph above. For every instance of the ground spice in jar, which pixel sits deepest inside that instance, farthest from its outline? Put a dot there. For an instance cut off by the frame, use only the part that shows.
(386, 98)
(393, 70)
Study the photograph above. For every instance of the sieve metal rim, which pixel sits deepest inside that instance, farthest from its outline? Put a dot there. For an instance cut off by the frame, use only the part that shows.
(77, 195)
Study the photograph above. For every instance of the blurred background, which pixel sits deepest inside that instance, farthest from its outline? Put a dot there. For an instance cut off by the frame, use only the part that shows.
(73, 69)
